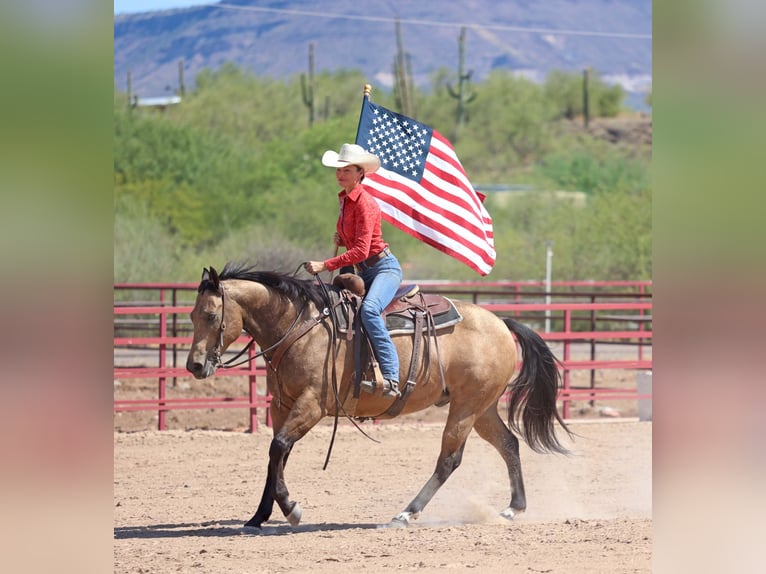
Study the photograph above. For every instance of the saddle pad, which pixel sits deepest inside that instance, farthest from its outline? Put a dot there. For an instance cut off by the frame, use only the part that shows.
(403, 322)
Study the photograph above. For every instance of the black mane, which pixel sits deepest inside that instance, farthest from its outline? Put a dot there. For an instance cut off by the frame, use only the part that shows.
(287, 285)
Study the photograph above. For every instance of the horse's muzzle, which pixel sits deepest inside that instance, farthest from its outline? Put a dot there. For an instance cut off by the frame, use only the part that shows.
(200, 370)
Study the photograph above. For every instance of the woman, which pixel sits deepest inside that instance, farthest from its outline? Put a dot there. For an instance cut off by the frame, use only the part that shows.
(359, 231)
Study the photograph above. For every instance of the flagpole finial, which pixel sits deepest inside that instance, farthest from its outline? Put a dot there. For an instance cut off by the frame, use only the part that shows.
(367, 89)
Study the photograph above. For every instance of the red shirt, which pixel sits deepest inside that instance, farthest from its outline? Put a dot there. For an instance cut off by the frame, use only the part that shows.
(358, 227)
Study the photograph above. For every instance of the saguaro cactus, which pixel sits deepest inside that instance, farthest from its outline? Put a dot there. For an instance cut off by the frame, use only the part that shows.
(307, 86)
(585, 97)
(403, 83)
(181, 83)
(462, 93)
(130, 89)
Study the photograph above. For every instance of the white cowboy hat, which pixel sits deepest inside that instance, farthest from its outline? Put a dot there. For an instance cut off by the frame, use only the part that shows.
(351, 154)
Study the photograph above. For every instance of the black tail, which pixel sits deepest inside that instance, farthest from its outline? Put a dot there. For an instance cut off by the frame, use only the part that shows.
(534, 391)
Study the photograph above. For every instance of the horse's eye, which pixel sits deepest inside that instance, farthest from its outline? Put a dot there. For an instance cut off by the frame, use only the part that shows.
(212, 317)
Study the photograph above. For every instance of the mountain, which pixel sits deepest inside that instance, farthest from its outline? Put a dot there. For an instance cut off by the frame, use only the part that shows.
(271, 38)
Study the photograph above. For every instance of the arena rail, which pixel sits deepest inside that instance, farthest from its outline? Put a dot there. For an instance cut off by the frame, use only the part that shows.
(162, 372)
(568, 336)
(170, 324)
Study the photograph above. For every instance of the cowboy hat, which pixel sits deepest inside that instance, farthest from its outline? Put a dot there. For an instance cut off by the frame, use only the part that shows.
(351, 154)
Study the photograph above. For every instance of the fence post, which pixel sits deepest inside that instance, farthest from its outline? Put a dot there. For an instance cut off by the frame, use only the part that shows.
(175, 333)
(641, 314)
(567, 329)
(162, 380)
(643, 388)
(592, 348)
(548, 272)
(253, 391)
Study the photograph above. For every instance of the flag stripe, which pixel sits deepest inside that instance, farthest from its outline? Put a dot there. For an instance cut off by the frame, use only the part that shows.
(398, 197)
(430, 198)
(437, 184)
(444, 184)
(449, 156)
(441, 149)
(482, 265)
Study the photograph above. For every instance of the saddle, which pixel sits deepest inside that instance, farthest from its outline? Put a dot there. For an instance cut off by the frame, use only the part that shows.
(410, 312)
(400, 315)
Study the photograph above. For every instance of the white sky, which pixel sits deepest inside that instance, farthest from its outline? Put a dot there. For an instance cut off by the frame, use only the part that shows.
(126, 6)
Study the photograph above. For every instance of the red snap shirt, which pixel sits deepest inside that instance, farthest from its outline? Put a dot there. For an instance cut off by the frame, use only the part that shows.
(358, 227)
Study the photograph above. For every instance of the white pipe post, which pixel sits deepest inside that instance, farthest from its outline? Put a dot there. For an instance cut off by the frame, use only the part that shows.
(548, 268)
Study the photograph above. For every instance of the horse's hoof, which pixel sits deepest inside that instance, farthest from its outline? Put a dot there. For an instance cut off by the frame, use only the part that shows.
(252, 528)
(401, 520)
(294, 518)
(509, 513)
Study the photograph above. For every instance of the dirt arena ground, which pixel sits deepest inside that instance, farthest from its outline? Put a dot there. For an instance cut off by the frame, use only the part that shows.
(182, 496)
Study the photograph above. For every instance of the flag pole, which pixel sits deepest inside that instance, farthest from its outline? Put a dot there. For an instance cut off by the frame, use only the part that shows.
(365, 99)
(334, 254)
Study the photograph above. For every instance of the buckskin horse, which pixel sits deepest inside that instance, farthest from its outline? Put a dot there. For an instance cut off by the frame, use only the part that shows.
(312, 375)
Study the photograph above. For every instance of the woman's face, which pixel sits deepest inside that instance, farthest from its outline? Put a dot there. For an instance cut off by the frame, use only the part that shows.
(348, 176)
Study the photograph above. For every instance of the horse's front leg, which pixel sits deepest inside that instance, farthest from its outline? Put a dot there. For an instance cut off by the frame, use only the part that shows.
(301, 418)
(267, 498)
(280, 448)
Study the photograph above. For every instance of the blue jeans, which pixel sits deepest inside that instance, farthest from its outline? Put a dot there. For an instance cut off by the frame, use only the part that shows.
(381, 282)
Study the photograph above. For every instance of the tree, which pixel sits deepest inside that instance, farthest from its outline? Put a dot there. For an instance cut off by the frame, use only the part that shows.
(565, 92)
(511, 127)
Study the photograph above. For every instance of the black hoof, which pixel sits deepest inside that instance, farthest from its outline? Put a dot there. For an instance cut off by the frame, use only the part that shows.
(253, 523)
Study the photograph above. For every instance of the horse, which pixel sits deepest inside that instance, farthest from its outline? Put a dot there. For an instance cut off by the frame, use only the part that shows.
(289, 316)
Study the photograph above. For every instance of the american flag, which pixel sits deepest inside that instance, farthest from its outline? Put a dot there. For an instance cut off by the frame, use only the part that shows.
(422, 188)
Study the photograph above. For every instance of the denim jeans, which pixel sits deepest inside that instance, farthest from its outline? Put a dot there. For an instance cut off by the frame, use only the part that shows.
(381, 282)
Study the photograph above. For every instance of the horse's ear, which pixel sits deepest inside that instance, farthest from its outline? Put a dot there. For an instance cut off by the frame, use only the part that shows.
(214, 278)
(205, 275)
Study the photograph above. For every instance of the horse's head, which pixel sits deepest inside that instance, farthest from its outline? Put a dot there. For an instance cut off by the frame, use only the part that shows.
(215, 326)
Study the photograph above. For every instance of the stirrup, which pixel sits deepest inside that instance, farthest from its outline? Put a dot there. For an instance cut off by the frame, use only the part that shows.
(367, 386)
(391, 389)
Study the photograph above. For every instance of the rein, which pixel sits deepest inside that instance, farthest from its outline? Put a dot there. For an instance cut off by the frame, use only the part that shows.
(219, 344)
(338, 402)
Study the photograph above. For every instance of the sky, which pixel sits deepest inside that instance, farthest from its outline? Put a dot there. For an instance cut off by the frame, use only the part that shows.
(127, 6)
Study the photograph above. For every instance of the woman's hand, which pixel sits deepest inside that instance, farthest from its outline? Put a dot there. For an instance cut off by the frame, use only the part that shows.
(314, 267)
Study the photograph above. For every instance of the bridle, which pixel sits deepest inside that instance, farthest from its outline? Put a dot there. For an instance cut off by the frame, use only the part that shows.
(218, 348)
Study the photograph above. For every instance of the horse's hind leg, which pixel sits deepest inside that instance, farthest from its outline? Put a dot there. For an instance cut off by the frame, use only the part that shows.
(453, 442)
(492, 429)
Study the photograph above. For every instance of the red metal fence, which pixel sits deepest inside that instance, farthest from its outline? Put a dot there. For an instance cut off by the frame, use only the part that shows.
(590, 313)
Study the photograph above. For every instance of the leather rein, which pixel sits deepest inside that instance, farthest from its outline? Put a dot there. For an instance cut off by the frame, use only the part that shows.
(217, 349)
